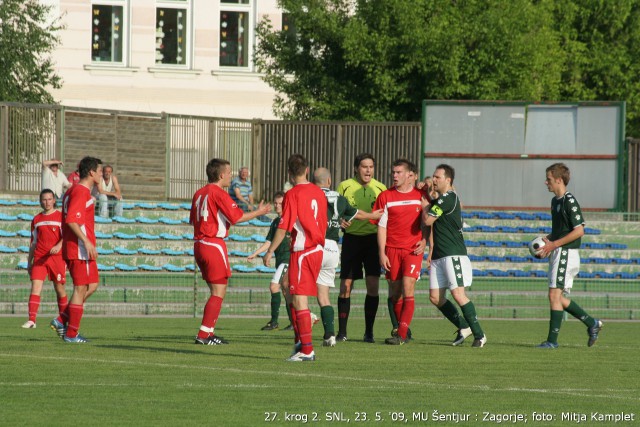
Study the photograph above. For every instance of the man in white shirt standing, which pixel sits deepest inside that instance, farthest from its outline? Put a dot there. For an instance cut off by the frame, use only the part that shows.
(53, 178)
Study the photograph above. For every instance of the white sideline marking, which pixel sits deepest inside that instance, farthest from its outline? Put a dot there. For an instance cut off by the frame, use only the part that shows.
(383, 382)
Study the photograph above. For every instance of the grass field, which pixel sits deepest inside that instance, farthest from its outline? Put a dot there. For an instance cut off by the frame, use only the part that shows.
(147, 371)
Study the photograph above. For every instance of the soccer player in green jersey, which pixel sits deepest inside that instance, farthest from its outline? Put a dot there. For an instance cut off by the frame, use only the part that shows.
(360, 247)
(338, 208)
(450, 265)
(282, 262)
(567, 229)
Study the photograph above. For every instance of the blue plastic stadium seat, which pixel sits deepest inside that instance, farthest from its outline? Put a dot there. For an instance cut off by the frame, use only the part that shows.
(476, 258)
(593, 231)
(25, 216)
(239, 253)
(146, 251)
(101, 235)
(185, 220)
(22, 265)
(263, 269)
(585, 260)
(124, 236)
(168, 236)
(25, 202)
(185, 206)
(506, 229)
(497, 273)
(238, 238)
(479, 273)
(604, 275)
(24, 233)
(467, 215)
(617, 246)
(23, 248)
(102, 220)
(597, 260)
(4, 233)
(471, 244)
(505, 215)
(102, 267)
(544, 230)
(7, 250)
(486, 229)
(147, 205)
(621, 261)
(471, 229)
(187, 236)
(147, 236)
(174, 268)
(244, 269)
(539, 273)
(524, 216)
(241, 224)
(172, 252)
(103, 251)
(493, 258)
(259, 223)
(527, 230)
(189, 252)
(148, 267)
(490, 243)
(145, 220)
(124, 251)
(169, 206)
(190, 267)
(123, 220)
(624, 275)
(512, 258)
(258, 238)
(598, 246)
(543, 216)
(128, 205)
(5, 217)
(485, 215)
(125, 267)
(586, 275)
(8, 203)
(170, 221)
(514, 244)
(539, 260)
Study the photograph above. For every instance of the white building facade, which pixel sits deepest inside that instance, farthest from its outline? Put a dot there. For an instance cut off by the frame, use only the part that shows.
(176, 56)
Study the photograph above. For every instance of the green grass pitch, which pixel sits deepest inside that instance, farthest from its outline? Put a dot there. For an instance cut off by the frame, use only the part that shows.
(147, 371)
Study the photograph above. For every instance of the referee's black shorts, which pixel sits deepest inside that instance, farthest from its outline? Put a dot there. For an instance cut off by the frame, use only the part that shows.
(358, 252)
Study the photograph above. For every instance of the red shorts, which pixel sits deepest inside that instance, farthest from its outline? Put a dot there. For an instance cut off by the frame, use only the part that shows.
(404, 263)
(49, 266)
(304, 269)
(213, 261)
(83, 271)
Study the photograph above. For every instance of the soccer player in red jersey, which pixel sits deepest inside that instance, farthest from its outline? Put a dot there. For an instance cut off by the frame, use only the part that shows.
(45, 257)
(401, 242)
(212, 213)
(305, 216)
(79, 247)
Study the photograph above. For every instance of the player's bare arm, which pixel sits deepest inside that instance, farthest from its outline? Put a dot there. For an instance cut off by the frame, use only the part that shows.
(261, 249)
(550, 245)
(91, 250)
(375, 215)
(382, 244)
(56, 248)
(275, 243)
(263, 209)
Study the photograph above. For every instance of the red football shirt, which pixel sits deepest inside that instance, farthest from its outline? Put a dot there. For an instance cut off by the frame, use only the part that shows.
(213, 211)
(304, 214)
(77, 207)
(401, 217)
(46, 232)
(73, 178)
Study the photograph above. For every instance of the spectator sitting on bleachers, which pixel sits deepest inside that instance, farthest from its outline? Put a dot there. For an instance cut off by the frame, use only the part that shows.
(108, 193)
(241, 190)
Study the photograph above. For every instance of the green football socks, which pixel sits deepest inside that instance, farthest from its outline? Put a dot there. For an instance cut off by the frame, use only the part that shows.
(276, 299)
(453, 315)
(327, 315)
(576, 311)
(555, 322)
(469, 313)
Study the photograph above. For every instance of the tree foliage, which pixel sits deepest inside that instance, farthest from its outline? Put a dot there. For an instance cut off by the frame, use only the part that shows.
(378, 59)
(28, 35)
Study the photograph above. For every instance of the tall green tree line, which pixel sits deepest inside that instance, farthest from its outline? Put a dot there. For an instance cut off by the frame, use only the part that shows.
(378, 59)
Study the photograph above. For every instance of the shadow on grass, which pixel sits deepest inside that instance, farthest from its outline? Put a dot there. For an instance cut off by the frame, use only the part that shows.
(179, 351)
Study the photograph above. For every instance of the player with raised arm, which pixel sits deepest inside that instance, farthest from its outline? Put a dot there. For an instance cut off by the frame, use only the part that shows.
(212, 213)
(305, 217)
(45, 256)
(450, 265)
(567, 229)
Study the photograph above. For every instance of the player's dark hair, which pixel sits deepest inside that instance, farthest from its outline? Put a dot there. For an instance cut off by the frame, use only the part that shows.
(278, 194)
(297, 165)
(449, 172)
(88, 164)
(411, 167)
(560, 170)
(215, 167)
(48, 191)
(360, 157)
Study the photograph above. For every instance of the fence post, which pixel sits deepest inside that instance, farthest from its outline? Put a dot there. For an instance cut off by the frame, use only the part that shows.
(256, 161)
(4, 147)
(337, 165)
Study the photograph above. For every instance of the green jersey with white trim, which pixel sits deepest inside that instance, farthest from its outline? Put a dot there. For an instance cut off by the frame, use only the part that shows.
(337, 207)
(282, 252)
(565, 216)
(447, 229)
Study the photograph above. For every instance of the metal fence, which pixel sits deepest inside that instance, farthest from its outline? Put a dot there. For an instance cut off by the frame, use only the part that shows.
(633, 176)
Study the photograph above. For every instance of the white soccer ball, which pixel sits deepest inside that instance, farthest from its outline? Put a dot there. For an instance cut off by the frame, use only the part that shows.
(536, 245)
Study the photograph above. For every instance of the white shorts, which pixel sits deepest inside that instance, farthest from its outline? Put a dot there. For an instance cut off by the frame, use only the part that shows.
(330, 260)
(281, 271)
(564, 265)
(450, 272)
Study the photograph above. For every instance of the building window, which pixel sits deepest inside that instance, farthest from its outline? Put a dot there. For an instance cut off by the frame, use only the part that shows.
(108, 33)
(172, 34)
(236, 33)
